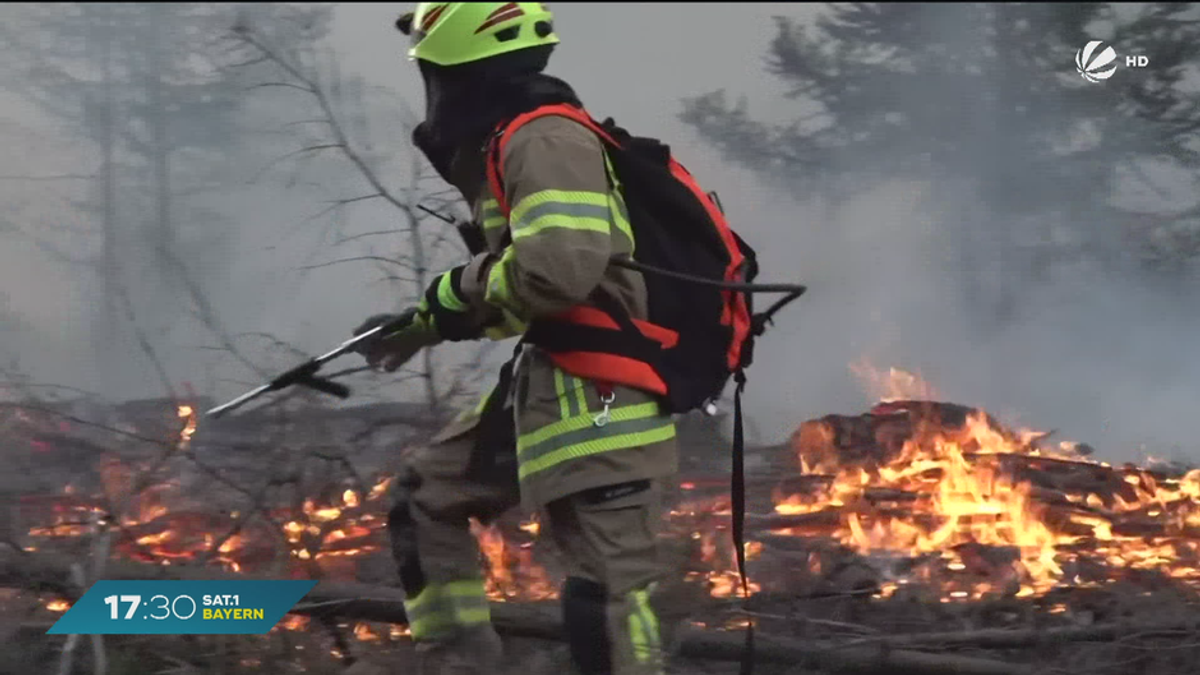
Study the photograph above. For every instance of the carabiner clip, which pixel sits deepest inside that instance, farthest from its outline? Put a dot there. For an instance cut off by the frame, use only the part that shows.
(604, 416)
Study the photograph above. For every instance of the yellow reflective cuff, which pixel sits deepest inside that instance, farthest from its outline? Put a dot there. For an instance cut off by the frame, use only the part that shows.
(455, 589)
(443, 608)
(642, 598)
(637, 636)
(497, 292)
(447, 298)
(446, 624)
(643, 628)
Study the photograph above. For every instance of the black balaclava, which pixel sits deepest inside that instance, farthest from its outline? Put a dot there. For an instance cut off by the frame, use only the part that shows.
(464, 104)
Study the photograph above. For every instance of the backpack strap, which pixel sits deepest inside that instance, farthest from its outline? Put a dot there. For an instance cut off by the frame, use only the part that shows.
(504, 133)
(577, 330)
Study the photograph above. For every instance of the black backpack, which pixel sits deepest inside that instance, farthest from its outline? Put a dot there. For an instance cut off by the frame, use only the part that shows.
(698, 272)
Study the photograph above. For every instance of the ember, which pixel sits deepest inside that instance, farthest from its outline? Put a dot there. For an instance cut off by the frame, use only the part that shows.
(166, 519)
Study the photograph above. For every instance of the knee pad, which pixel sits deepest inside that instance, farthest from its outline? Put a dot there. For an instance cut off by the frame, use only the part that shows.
(584, 608)
(402, 530)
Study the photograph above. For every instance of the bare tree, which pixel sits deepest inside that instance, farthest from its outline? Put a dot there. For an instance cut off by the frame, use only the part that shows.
(339, 125)
(141, 86)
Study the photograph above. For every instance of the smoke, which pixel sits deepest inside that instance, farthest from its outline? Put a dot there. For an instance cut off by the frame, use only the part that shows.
(1098, 349)
(1105, 357)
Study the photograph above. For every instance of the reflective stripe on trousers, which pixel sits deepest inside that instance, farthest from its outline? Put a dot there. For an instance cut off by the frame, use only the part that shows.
(644, 633)
(441, 610)
(580, 432)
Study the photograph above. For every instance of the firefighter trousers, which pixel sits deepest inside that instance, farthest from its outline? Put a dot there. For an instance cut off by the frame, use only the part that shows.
(607, 539)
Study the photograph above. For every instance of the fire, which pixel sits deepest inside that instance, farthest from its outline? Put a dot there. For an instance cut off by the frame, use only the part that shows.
(364, 633)
(187, 413)
(532, 526)
(292, 622)
(344, 527)
(941, 489)
(511, 572)
(892, 385)
(707, 521)
(970, 508)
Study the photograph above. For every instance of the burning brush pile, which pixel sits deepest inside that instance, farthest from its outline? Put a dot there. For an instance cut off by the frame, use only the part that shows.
(950, 498)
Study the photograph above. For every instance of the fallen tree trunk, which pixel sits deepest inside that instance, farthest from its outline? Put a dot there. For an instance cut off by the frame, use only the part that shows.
(858, 659)
(537, 620)
(1005, 638)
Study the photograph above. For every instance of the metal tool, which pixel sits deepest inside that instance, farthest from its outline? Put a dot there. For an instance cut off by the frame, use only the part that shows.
(305, 374)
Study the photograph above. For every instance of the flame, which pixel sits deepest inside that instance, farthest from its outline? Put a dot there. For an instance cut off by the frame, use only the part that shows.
(292, 622)
(892, 385)
(945, 496)
(949, 487)
(532, 526)
(58, 605)
(187, 413)
(511, 571)
(364, 633)
(380, 488)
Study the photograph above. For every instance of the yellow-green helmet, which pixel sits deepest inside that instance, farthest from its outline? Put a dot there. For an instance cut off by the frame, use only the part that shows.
(453, 33)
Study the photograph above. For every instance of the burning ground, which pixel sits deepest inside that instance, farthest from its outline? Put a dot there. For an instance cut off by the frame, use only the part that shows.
(916, 525)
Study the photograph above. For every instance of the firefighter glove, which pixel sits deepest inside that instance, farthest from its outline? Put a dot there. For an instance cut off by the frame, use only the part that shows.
(392, 350)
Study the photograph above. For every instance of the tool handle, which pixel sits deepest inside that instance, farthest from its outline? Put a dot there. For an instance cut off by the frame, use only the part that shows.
(326, 386)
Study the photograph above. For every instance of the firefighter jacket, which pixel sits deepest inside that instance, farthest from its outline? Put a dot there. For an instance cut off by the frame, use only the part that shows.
(547, 257)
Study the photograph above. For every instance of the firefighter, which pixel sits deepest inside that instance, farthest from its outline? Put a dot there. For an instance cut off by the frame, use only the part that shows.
(591, 456)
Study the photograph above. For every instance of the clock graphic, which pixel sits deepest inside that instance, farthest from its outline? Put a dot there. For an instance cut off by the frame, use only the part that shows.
(164, 607)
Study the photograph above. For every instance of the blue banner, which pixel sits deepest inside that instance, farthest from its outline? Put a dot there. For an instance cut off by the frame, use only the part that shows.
(241, 607)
